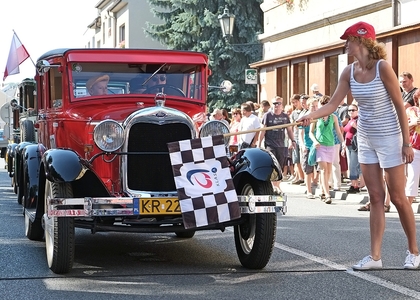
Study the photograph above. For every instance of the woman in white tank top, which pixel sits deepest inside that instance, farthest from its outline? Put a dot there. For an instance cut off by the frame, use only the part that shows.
(383, 136)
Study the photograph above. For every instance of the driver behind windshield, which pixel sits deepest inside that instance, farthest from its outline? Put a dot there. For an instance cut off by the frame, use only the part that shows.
(98, 85)
(157, 79)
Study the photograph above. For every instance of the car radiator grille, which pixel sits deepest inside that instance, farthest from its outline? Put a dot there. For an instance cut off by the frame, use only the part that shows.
(152, 171)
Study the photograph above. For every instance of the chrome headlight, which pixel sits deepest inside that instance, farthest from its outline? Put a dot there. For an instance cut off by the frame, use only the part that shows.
(108, 135)
(213, 128)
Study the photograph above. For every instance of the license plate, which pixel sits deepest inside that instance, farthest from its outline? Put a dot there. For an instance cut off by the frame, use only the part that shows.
(159, 206)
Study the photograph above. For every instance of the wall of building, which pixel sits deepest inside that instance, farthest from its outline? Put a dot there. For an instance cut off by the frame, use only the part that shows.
(139, 15)
(302, 46)
(122, 25)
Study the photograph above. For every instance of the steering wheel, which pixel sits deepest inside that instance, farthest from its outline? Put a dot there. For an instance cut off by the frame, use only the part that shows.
(175, 91)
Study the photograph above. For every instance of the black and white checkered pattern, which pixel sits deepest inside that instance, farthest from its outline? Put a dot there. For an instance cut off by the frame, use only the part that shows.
(202, 177)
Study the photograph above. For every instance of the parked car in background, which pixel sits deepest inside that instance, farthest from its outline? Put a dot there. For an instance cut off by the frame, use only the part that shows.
(23, 114)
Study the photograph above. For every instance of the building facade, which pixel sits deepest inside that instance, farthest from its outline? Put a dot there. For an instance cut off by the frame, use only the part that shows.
(302, 45)
(121, 24)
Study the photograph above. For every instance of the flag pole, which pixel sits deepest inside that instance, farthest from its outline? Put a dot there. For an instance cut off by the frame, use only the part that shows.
(14, 32)
(265, 128)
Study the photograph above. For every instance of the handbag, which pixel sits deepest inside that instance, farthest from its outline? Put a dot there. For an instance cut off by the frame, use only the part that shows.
(312, 156)
(312, 153)
(354, 142)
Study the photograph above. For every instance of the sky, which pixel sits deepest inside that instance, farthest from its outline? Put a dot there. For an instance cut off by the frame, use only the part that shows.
(43, 25)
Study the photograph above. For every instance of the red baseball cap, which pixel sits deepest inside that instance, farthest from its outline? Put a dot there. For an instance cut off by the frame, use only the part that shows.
(361, 29)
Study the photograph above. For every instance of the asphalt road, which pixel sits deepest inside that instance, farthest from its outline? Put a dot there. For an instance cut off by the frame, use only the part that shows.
(316, 244)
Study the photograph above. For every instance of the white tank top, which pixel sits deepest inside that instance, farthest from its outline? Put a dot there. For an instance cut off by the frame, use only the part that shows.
(377, 115)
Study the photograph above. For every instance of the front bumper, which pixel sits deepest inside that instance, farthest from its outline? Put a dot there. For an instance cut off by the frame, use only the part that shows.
(126, 206)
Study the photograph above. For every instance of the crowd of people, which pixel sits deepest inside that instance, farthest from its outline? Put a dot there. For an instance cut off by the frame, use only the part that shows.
(337, 159)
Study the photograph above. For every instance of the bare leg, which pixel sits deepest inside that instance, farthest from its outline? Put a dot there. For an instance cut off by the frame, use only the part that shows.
(299, 171)
(324, 176)
(373, 175)
(308, 182)
(395, 180)
(276, 185)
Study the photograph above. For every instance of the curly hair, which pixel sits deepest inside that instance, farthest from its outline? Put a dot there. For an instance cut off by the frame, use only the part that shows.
(324, 99)
(376, 50)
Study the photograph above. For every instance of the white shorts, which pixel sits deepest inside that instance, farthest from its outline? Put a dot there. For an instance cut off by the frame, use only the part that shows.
(387, 151)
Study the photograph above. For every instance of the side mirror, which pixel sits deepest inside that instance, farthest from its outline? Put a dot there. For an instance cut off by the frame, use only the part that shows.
(225, 86)
(14, 104)
(42, 67)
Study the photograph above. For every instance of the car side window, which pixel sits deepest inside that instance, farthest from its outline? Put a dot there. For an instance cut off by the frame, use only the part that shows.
(55, 87)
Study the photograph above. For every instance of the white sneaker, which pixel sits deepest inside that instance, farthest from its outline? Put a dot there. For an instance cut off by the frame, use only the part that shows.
(412, 261)
(368, 263)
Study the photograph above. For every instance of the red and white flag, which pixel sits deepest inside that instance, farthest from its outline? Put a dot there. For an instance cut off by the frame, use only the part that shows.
(17, 55)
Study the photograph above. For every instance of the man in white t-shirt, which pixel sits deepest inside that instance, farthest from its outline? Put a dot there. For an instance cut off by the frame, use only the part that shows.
(249, 121)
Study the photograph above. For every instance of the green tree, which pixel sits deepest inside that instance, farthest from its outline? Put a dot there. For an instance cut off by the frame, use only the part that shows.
(194, 25)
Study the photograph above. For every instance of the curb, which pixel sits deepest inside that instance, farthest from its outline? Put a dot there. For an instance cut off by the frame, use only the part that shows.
(361, 197)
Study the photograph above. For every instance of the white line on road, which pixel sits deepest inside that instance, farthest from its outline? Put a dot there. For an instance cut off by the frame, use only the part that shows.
(363, 275)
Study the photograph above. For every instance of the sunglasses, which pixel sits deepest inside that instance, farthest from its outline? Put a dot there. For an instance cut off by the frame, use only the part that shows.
(236, 114)
(352, 110)
(159, 78)
(277, 103)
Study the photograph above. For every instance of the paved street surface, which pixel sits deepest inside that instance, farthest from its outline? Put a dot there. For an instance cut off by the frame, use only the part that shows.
(315, 247)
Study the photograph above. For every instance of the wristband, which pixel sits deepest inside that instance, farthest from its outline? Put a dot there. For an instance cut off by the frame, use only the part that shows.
(407, 145)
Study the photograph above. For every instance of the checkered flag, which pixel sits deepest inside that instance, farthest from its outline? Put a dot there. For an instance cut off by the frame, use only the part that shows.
(202, 177)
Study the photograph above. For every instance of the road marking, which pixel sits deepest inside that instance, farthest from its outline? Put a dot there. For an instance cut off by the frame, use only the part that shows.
(363, 275)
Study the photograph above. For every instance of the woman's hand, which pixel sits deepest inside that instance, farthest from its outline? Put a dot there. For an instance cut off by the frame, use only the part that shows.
(408, 154)
(304, 120)
(343, 149)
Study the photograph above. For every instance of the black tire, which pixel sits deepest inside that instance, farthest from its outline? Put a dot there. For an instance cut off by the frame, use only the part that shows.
(19, 189)
(28, 131)
(254, 239)
(33, 230)
(59, 231)
(185, 234)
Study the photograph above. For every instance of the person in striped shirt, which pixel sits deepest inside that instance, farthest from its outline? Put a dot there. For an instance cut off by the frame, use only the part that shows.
(382, 135)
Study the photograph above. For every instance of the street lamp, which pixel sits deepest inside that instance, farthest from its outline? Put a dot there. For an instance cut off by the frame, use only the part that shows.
(226, 23)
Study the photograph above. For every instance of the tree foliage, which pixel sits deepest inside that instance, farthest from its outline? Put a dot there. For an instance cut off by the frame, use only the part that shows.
(194, 25)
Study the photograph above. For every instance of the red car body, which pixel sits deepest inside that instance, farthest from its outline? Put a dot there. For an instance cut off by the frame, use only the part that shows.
(101, 161)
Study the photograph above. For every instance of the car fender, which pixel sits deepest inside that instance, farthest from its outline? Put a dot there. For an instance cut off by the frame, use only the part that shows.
(31, 159)
(258, 163)
(63, 165)
(18, 161)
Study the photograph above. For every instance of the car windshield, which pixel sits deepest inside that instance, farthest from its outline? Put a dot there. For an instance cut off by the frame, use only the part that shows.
(92, 79)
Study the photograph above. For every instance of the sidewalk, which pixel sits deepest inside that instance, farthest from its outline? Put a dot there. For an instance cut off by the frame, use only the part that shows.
(361, 198)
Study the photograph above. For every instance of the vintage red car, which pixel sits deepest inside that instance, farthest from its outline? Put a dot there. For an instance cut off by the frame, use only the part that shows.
(104, 119)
